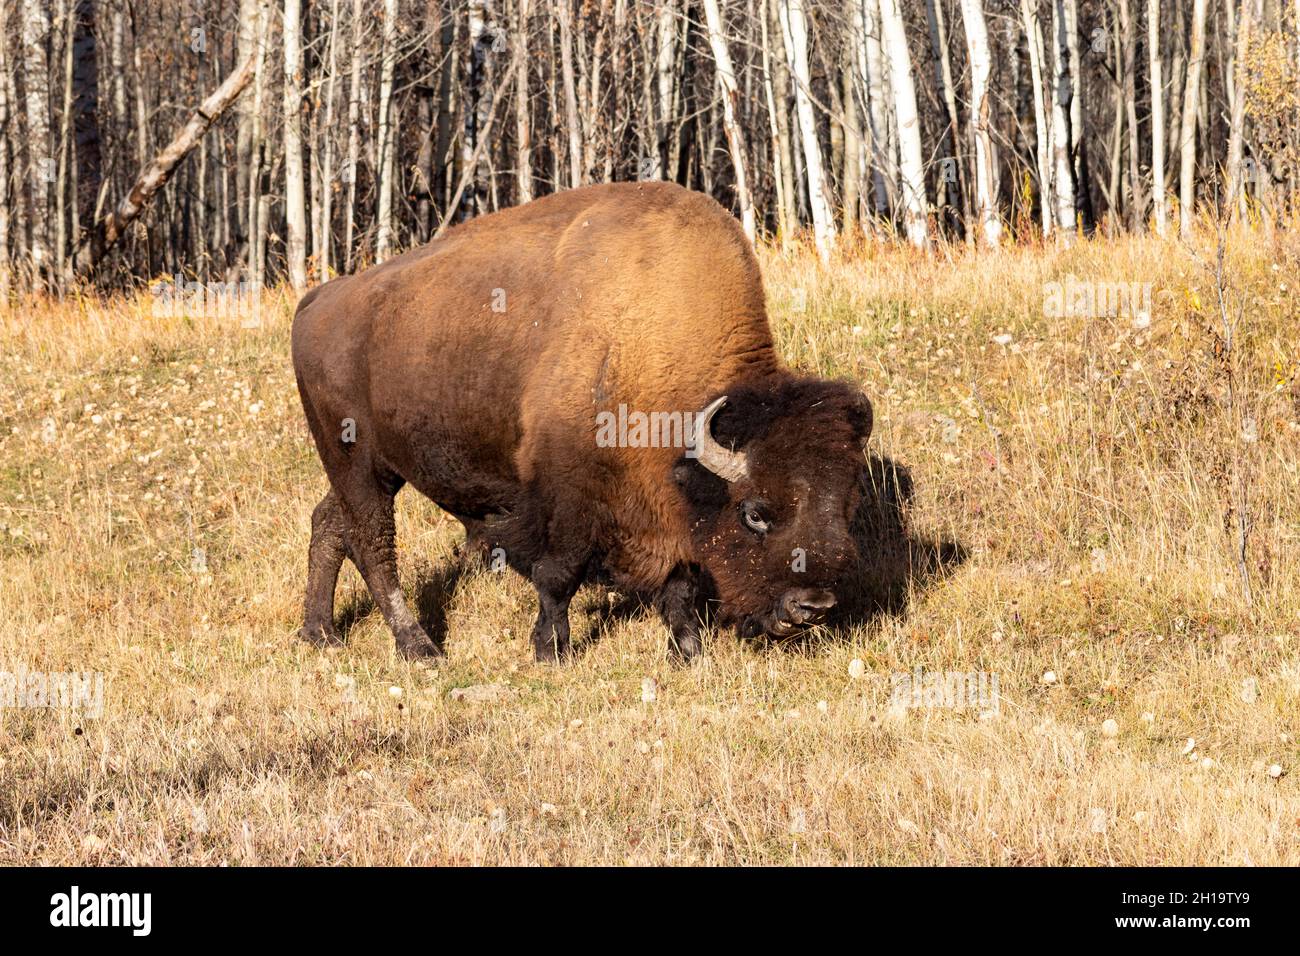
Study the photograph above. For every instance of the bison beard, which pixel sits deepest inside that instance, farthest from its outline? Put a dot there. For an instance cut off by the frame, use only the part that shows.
(475, 368)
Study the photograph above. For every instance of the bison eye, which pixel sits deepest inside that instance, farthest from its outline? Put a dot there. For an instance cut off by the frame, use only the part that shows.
(752, 515)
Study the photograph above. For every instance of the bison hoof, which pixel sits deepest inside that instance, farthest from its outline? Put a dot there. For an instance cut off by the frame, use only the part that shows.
(321, 635)
(416, 645)
(687, 647)
(550, 652)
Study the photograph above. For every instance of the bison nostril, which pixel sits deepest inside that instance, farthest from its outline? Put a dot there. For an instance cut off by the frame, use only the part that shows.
(806, 605)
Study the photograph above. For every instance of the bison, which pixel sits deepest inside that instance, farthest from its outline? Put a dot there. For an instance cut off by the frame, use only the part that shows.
(487, 369)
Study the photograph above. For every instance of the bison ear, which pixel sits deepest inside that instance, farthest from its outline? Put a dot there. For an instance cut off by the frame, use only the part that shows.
(861, 417)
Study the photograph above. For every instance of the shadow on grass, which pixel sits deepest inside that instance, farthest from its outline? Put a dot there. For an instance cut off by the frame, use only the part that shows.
(435, 585)
(893, 564)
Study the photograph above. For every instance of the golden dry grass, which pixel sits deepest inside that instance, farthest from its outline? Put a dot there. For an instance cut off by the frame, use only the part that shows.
(1086, 466)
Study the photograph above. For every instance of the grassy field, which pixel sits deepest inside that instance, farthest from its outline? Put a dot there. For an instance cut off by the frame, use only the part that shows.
(1093, 472)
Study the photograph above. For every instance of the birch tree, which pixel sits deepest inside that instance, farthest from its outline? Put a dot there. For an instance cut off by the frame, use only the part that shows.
(1042, 135)
(726, 74)
(1187, 129)
(880, 111)
(1236, 186)
(977, 45)
(5, 141)
(1062, 102)
(40, 148)
(354, 136)
(565, 17)
(295, 204)
(387, 67)
(1157, 118)
(908, 123)
(523, 121)
(794, 25)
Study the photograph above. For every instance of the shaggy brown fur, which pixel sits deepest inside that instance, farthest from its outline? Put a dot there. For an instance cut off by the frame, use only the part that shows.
(474, 368)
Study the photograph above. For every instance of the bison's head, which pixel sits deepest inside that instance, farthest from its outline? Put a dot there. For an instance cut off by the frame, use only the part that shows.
(771, 494)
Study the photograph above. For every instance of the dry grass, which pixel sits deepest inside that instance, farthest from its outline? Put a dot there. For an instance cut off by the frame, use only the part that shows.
(1085, 465)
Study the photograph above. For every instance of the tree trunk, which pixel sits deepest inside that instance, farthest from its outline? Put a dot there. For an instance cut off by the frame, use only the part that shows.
(86, 84)
(40, 152)
(851, 171)
(731, 125)
(911, 161)
(387, 139)
(950, 183)
(1236, 182)
(5, 142)
(1042, 134)
(1157, 118)
(354, 138)
(257, 225)
(794, 24)
(565, 16)
(880, 110)
(1191, 104)
(778, 119)
(1063, 94)
(1078, 141)
(523, 124)
(977, 43)
(108, 230)
(295, 206)
(326, 211)
(1128, 31)
(58, 260)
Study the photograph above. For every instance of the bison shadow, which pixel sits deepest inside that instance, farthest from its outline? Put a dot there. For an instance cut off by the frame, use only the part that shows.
(894, 565)
(435, 586)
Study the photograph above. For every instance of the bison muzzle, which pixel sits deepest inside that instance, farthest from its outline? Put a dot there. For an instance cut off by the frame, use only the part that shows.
(523, 372)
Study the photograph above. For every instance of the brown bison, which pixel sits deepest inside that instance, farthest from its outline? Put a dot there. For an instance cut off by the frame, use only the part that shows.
(508, 370)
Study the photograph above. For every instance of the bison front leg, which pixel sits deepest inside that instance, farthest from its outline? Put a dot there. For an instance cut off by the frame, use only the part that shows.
(677, 603)
(556, 584)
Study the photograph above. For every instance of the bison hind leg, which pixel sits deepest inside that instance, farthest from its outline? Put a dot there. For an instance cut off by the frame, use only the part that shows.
(324, 560)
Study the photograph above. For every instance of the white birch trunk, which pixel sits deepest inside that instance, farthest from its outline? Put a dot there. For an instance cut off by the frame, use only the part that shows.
(731, 125)
(1042, 136)
(911, 161)
(794, 26)
(40, 152)
(570, 93)
(523, 125)
(354, 137)
(1236, 181)
(1157, 118)
(1062, 104)
(1187, 130)
(5, 140)
(880, 110)
(977, 43)
(388, 62)
(295, 205)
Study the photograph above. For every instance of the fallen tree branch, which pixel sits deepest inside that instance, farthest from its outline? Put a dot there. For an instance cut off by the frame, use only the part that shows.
(106, 232)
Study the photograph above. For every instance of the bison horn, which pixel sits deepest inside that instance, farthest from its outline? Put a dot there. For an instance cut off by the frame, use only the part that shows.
(727, 464)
